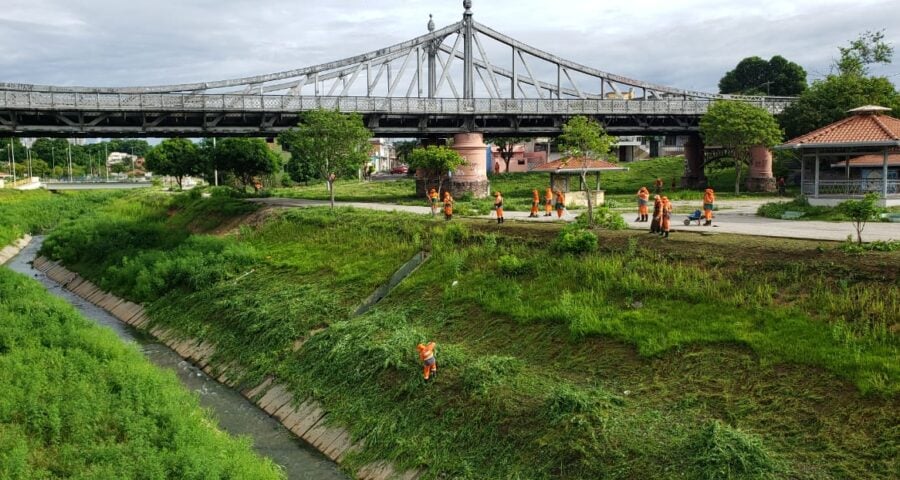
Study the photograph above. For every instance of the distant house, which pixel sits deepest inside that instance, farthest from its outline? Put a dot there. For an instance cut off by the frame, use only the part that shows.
(118, 158)
(526, 156)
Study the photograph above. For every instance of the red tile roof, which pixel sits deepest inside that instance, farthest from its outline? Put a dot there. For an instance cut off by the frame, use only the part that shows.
(577, 164)
(863, 127)
(873, 160)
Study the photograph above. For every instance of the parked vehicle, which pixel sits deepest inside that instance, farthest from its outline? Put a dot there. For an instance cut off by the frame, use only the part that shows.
(401, 169)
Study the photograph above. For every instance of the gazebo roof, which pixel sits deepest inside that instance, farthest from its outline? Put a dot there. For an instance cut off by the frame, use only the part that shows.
(578, 165)
(870, 161)
(866, 127)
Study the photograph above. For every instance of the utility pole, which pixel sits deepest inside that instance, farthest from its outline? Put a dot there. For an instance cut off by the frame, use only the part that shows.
(215, 167)
(106, 160)
(52, 159)
(13, 150)
(28, 154)
(69, 154)
(133, 174)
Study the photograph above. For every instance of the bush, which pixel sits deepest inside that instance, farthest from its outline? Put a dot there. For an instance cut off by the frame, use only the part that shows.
(576, 240)
(609, 219)
(512, 265)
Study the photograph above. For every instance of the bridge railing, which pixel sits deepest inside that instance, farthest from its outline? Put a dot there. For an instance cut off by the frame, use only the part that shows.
(169, 102)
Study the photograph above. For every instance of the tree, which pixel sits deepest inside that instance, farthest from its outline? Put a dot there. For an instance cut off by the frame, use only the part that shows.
(755, 76)
(435, 162)
(177, 157)
(869, 48)
(404, 148)
(328, 142)
(506, 146)
(739, 126)
(244, 158)
(584, 137)
(860, 212)
(828, 100)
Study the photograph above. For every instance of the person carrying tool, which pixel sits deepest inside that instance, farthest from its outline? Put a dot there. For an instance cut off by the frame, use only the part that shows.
(433, 198)
(666, 217)
(498, 206)
(643, 198)
(448, 206)
(548, 202)
(535, 203)
(560, 203)
(657, 215)
(426, 354)
(709, 200)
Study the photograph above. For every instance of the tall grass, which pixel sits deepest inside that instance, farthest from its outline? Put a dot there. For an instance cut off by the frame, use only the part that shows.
(38, 210)
(633, 361)
(78, 403)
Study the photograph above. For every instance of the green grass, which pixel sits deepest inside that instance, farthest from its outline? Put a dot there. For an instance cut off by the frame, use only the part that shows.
(76, 402)
(810, 212)
(620, 187)
(36, 211)
(702, 357)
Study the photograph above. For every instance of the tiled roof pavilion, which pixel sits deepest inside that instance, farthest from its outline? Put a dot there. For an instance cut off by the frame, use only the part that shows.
(867, 131)
(867, 126)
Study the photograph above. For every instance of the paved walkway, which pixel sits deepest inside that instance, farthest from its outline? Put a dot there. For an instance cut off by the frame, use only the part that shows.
(737, 217)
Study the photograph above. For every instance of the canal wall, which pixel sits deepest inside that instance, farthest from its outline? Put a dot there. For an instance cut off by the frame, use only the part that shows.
(302, 416)
(13, 249)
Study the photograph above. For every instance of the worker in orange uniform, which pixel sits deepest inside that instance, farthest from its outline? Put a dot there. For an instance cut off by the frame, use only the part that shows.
(709, 200)
(548, 202)
(657, 215)
(666, 217)
(433, 198)
(426, 354)
(448, 206)
(560, 204)
(643, 199)
(498, 206)
(535, 203)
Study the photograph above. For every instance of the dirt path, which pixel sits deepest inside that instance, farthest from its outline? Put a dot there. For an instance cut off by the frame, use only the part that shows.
(737, 217)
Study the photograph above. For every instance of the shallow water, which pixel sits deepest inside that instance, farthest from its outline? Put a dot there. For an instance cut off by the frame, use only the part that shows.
(235, 414)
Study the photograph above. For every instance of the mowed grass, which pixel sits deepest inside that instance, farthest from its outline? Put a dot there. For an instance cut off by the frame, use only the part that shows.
(77, 402)
(701, 357)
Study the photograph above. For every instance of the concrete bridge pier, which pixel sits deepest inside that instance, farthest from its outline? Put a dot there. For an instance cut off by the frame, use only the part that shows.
(760, 178)
(694, 159)
(471, 177)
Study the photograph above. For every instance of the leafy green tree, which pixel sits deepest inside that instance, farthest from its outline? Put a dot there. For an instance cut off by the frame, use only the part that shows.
(828, 100)
(869, 48)
(506, 146)
(435, 163)
(860, 212)
(755, 76)
(739, 126)
(177, 157)
(328, 142)
(585, 137)
(404, 148)
(244, 158)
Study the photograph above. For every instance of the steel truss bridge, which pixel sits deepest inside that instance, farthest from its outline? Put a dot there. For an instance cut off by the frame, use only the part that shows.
(460, 78)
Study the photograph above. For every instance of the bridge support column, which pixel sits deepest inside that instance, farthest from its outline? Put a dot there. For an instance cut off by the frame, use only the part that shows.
(694, 160)
(473, 176)
(760, 178)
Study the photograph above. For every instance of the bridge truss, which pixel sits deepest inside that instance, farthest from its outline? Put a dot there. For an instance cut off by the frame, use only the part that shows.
(463, 77)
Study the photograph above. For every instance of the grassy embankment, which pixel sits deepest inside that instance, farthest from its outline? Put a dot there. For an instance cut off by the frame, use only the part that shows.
(811, 212)
(620, 188)
(701, 357)
(78, 403)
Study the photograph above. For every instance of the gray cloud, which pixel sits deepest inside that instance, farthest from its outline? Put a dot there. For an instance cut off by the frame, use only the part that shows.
(143, 42)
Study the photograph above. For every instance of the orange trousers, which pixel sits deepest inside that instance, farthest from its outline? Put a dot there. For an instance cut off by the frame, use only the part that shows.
(534, 208)
(559, 212)
(548, 207)
(642, 210)
(708, 214)
(500, 212)
(429, 369)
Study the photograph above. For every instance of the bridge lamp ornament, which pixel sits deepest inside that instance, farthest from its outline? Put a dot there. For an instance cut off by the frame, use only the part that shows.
(467, 4)
(430, 23)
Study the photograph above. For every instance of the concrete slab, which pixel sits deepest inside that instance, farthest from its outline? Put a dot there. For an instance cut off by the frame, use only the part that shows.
(308, 421)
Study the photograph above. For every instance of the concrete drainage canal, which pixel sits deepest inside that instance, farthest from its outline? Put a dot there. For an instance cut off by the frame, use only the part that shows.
(236, 414)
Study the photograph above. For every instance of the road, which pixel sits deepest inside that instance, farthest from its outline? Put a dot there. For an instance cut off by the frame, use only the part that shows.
(738, 217)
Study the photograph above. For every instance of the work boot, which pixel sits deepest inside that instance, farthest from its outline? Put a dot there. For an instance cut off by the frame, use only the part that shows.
(667, 235)
(499, 220)
(708, 223)
(502, 219)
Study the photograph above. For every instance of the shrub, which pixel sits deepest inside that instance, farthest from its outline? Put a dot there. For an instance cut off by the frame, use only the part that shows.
(609, 219)
(573, 240)
(456, 233)
(512, 265)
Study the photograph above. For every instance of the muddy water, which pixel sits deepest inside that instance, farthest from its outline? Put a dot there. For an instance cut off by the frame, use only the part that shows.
(234, 413)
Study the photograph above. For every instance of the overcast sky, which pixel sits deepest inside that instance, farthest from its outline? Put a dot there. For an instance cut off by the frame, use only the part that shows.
(686, 44)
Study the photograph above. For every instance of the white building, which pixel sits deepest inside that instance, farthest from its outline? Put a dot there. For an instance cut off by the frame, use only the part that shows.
(116, 158)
